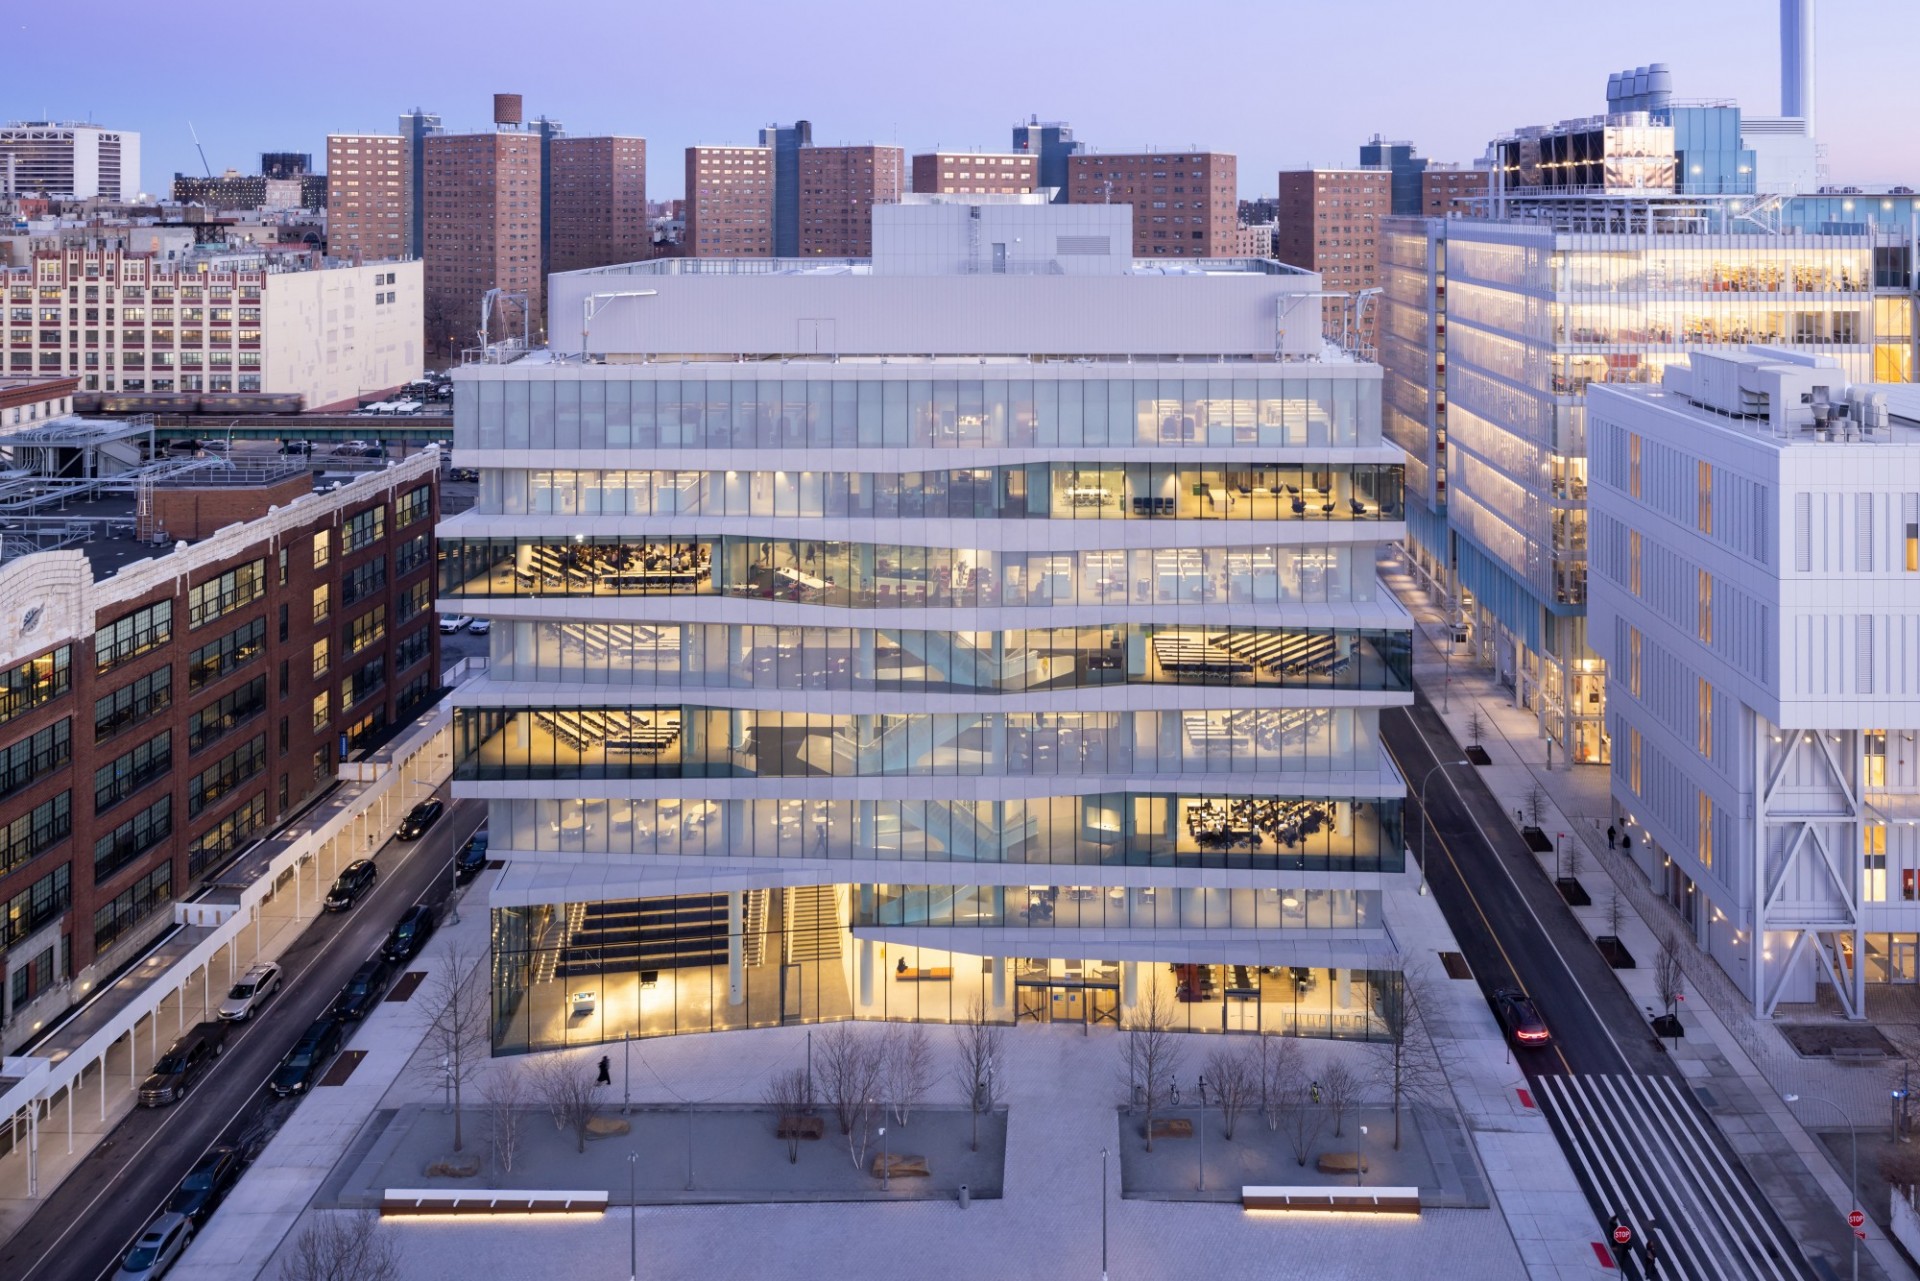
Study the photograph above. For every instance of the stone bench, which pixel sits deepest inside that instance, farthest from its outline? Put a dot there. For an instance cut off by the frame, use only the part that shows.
(1857, 1055)
(1342, 1163)
(1172, 1127)
(800, 1127)
(489, 1201)
(899, 1165)
(1332, 1200)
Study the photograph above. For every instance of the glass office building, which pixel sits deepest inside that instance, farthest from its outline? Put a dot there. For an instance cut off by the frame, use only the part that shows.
(931, 676)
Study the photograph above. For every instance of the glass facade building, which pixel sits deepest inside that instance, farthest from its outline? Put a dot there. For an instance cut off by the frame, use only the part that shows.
(900, 686)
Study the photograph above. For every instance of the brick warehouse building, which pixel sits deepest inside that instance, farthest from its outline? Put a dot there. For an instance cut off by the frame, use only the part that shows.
(159, 712)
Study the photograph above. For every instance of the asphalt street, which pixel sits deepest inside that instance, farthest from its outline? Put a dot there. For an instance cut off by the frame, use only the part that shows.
(88, 1223)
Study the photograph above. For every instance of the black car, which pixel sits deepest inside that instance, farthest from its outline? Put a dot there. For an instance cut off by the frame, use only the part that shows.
(1521, 1019)
(473, 859)
(354, 880)
(183, 1063)
(305, 1061)
(420, 818)
(296, 447)
(206, 1185)
(411, 934)
(364, 990)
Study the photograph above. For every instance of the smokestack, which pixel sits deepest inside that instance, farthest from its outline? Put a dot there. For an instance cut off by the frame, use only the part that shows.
(1796, 60)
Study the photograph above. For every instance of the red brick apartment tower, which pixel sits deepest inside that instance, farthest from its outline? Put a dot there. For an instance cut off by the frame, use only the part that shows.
(970, 172)
(1452, 191)
(366, 196)
(598, 203)
(1186, 204)
(1328, 221)
(729, 202)
(482, 231)
(839, 186)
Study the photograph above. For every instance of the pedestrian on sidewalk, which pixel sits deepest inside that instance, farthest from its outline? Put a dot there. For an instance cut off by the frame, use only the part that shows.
(1626, 841)
(606, 1071)
(1612, 835)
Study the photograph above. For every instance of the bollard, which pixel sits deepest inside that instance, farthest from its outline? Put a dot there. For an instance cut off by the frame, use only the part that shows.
(965, 1196)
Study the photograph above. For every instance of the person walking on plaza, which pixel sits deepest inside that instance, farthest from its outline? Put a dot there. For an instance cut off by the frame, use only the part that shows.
(606, 1071)
(1612, 836)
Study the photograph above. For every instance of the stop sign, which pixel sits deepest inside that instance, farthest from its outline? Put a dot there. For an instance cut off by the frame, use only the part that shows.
(1622, 1235)
(1855, 1218)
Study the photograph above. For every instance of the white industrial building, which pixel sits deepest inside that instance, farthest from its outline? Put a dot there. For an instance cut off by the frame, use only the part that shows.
(78, 161)
(990, 623)
(1756, 596)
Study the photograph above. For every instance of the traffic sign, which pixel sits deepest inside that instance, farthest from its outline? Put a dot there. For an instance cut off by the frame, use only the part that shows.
(1855, 1218)
(1622, 1234)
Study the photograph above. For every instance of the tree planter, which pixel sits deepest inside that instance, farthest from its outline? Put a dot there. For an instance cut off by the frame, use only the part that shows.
(1572, 891)
(1537, 841)
(1478, 755)
(1615, 952)
(1668, 1025)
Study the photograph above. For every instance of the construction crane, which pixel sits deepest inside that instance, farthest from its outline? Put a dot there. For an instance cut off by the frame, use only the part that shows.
(197, 147)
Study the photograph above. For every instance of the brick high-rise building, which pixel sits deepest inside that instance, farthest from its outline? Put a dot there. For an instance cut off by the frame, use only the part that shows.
(482, 194)
(366, 196)
(1329, 222)
(1450, 190)
(598, 198)
(839, 186)
(1185, 203)
(969, 172)
(729, 202)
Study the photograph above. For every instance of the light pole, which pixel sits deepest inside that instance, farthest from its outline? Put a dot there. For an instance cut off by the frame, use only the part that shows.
(1103, 1214)
(633, 1220)
(1852, 1231)
(1425, 820)
(1360, 1166)
(626, 1074)
(886, 1166)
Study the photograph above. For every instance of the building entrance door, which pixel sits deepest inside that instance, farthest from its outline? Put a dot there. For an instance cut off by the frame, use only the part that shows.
(1900, 958)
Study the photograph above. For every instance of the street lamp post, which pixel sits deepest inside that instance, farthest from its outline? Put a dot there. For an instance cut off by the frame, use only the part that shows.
(633, 1220)
(1103, 1214)
(626, 1073)
(886, 1165)
(1425, 820)
(1855, 1134)
(1360, 1166)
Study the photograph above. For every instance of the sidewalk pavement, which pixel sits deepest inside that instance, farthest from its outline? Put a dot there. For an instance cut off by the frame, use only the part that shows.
(1739, 1066)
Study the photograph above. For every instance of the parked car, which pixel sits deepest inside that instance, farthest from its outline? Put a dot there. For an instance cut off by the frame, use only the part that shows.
(255, 988)
(360, 449)
(307, 1059)
(183, 1063)
(480, 626)
(206, 1185)
(469, 474)
(364, 990)
(186, 445)
(296, 447)
(1521, 1019)
(472, 859)
(355, 879)
(451, 623)
(420, 818)
(160, 1245)
(411, 934)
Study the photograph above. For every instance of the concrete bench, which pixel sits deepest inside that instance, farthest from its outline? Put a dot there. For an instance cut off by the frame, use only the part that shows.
(1856, 1055)
(1342, 1163)
(1172, 1127)
(489, 1201)
(900, 1166)
(1332, 1200)
(800, 1127)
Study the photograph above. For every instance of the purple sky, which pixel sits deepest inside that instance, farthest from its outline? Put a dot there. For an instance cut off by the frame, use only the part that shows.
(1280, 83)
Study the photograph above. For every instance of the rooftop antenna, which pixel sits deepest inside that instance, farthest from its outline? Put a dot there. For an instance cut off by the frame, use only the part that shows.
(202, 150)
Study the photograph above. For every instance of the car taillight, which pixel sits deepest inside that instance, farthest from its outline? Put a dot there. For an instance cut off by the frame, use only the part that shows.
(1533, 1036)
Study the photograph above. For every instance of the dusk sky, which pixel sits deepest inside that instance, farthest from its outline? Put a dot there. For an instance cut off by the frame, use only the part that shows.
(1282, 83)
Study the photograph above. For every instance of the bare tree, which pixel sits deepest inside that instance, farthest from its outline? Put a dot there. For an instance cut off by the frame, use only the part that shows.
(1476, 728)
(506, 1095)
(1302, 1115)
(1536, 805)
(1235, 1073)
(850, 1071)
(980, 1067)
(1277, 1061)
(1406, 1064)
(566, 1090)
(1667, 973)
(1150, 1055)
(1616, 914)
(342, 1246)
(908, 1067)
(458, 1039)
(1340, 1087)
(790, 1097)
(1576, 854)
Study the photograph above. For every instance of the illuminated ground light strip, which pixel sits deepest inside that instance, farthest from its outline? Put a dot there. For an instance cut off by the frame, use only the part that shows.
(435, 1202)
(1358, 1202)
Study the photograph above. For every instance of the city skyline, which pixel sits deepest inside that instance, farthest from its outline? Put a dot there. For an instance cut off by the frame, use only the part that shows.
(1221, 103)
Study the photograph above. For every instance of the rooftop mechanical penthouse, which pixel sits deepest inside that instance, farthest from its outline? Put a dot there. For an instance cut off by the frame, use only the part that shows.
(993, 621)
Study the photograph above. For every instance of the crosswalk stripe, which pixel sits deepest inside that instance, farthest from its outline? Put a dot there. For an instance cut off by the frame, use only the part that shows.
(1647, 1153)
